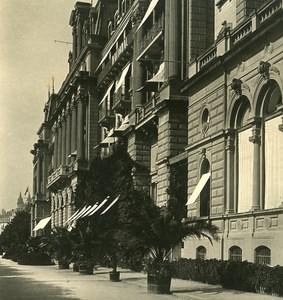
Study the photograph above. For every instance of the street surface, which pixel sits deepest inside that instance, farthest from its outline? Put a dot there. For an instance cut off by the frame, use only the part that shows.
(48, 282)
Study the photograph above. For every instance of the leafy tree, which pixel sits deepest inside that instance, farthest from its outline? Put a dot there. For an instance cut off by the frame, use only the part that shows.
(15, 236)
(59, 244)
(166, 232)
(114, 235)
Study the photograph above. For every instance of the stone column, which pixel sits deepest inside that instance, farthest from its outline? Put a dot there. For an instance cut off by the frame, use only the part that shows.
(59, 147)
(80, 126)
(69, 202)
(63, 139)
(172, 39)
(230, 152)
(60, 210)
(74, 127)
(255, 139)
(74, 32)
(68, 134)
(55, 150)
(79, 36)
(138, 70)
(38, 175)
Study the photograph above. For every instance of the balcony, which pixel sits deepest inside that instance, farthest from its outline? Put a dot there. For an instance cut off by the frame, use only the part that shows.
(146, 111)
(105, 114)
(152, 42)
(58, 176)
(122, 53)
(121, 100)
(260, 19)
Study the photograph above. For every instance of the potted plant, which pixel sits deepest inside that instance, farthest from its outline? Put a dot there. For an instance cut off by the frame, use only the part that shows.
(159, 275)
(60, 245)
(164, 234)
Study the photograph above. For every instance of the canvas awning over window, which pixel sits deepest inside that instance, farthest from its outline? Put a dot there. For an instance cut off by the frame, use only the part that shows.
(42, 223)
(121, 30)
(152, 84)
(159, 76)
(148, 12)
(107, 93)
(203, 180)
(122, 77)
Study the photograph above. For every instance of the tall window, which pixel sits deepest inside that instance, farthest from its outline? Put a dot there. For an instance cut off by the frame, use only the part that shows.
(244, 155)
(273, 145)
(235, 253)
(263, 255)
(245, 171)
(205, 193)
(201, 252)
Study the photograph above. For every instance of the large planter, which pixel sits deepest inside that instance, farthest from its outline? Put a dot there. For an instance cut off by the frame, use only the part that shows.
(86, 269)
(76, 267)
(157, 284)
(114, 276)
(63, 265)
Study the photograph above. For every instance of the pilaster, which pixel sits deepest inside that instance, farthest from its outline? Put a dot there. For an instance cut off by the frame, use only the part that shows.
(230, 156)
(81, 125)
(68, 133)
(256, 140)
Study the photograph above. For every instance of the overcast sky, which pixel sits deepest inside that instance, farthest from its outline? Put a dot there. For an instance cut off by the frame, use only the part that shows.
(29, 58)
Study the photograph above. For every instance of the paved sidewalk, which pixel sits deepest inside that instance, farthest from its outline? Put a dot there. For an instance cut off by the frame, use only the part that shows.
(133, 285)
(191, 290)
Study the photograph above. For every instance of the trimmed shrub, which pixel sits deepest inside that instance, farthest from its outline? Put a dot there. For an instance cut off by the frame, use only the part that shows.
(235, 275)
(35, 258)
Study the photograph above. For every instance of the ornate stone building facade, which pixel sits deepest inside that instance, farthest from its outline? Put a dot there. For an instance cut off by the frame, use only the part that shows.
(194, 87)
(69, 132)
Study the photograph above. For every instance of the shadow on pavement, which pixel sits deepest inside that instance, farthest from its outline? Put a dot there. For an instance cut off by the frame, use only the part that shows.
(14, 286)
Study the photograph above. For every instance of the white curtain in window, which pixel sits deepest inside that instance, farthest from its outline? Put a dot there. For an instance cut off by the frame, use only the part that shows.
(273, 146)
(245, 171)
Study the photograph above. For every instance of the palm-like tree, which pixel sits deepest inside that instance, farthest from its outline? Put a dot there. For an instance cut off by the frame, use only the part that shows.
(166, 232)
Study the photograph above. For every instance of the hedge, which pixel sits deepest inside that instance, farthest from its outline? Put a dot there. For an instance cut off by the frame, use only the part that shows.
(243, 276)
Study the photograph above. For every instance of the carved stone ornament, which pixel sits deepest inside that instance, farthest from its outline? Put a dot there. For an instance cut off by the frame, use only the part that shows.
(255, 139)
(263, 69)
(239, 225)
(236, 86)
(267, 222)
(241, 67)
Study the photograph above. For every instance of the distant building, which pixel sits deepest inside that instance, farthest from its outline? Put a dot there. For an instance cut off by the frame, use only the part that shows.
(195, 90)
(5, 218)
(23, 203)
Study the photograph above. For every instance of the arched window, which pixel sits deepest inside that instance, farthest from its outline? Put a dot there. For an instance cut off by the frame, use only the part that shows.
(244, 154)
(263, 255)
(201, 252)
(205, 192)
(273, 145)
(235, 253)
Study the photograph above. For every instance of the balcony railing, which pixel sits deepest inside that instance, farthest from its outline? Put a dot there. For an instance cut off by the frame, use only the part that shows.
(58, 174)
(121, 99)
(144, 111)
(241, 32)
(119, 53)
(266, 12)
(207, 57)
(237, 35)
(157, 27)
(104, 112)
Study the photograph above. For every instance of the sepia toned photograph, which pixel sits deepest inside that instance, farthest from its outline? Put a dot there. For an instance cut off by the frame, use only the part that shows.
(141, 149)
